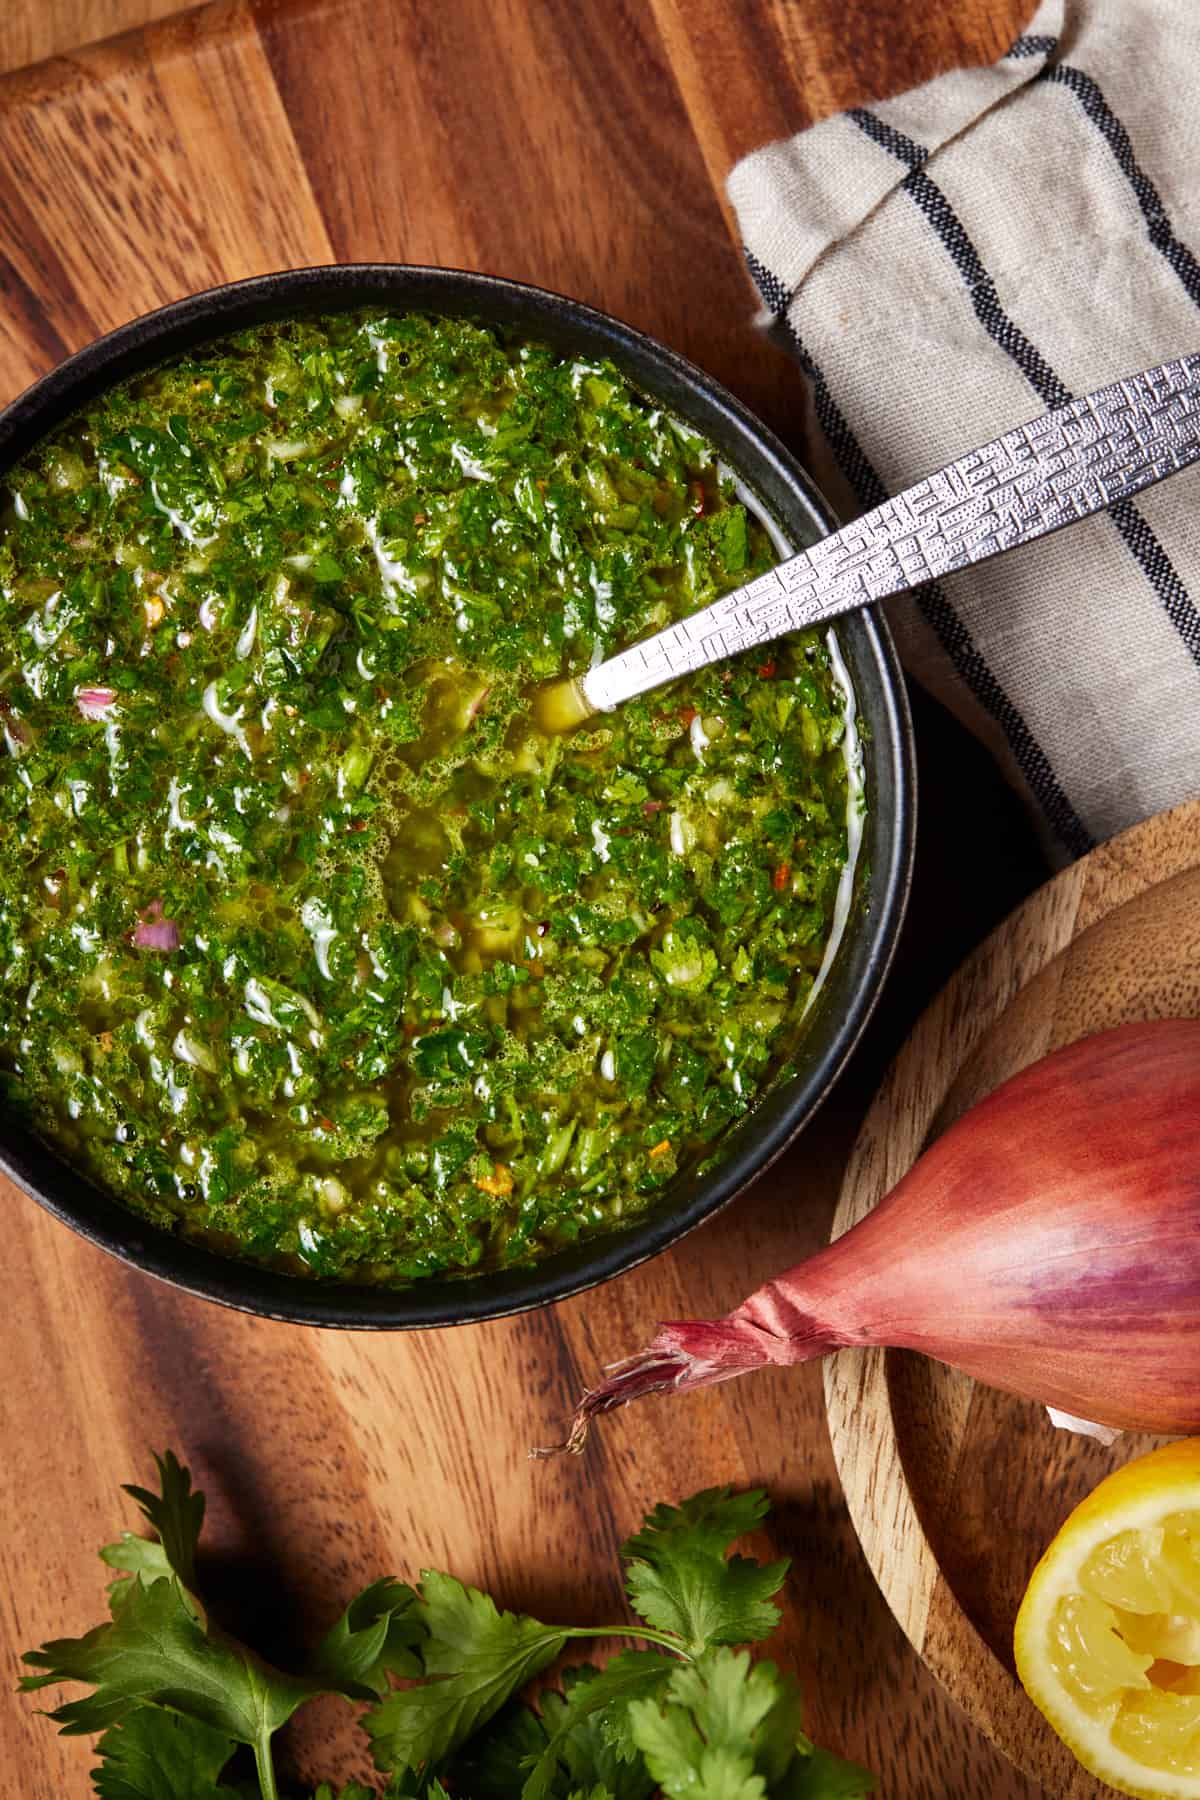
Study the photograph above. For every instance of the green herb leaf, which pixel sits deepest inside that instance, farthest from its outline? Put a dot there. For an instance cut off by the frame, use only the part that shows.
(156, 1651)
(174, 1695)
(375, 1634)
(156, 1755)
(680, 1581)
(485, 1657)
(818, 1774)
(494, 1765)
(684, 956)
(177, 1514)
(587, 1741)
(728, 1727)
(325, 567)
(132, 1555)
(711, 1521)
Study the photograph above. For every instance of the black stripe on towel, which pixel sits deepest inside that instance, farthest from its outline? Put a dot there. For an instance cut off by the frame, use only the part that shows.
(1158, 225)
(950, 631)
(1031, 45)
(1137, 536)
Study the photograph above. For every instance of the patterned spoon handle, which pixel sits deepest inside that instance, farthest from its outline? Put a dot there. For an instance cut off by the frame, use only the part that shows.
(1032, 480)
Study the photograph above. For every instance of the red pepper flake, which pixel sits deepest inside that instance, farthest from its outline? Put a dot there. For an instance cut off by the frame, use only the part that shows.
(357, 825)
(781, 877)
(649, 807)
(325, 1124)
(420, 518)
(661, 1148)
(767, 669)
(687, 714)
(698, 498)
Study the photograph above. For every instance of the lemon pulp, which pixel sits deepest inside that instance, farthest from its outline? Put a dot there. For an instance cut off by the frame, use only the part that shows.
(1126, 1645)
(1108, 1636)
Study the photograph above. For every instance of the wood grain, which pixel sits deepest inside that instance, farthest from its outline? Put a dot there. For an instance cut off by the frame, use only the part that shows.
(580, 146)
(788, 66)
(956, 1489)
(31, 30)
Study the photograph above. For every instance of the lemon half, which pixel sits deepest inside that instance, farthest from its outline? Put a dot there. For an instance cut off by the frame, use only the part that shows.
(1108, 1636)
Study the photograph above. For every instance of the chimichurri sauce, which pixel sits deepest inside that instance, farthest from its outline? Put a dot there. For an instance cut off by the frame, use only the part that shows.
(310, 946)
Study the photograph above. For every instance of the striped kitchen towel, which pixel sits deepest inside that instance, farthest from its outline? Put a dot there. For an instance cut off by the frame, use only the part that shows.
(952, 262)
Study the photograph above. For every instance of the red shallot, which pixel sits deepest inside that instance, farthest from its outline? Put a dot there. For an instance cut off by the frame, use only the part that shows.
(1048, 1244)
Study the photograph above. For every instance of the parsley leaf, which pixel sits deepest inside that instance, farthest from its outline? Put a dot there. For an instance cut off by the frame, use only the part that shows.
(729, 1729)
(157, 1651)
(133, 1556)
(493, 1766)
(375, 1634)
(680, 1581)
(156, 1755)
(818, 1774)
(710, 1521)
(718, 1736)
(484, 1656)
(684, 956)
(602, 1697)
(174, 1696)
(177, 1515)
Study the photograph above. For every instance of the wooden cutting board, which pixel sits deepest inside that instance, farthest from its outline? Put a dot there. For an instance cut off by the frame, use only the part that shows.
(955, 1489)
(581, 146)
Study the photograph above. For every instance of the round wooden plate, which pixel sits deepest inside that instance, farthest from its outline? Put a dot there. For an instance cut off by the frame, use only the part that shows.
(955, 1489)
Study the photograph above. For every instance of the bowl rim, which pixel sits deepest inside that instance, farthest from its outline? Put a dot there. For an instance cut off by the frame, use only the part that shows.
(152, 338)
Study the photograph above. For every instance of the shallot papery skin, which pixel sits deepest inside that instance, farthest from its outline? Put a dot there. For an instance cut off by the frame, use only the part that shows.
(1048, 1244)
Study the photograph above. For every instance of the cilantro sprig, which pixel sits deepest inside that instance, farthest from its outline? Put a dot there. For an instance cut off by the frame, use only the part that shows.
(441, 1672)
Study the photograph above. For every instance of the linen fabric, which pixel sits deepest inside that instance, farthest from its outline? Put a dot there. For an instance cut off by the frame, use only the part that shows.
(952, 262)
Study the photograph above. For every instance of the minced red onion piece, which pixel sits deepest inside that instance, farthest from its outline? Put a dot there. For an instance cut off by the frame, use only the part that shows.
(153, 932)
(94, 703)
(161, 936)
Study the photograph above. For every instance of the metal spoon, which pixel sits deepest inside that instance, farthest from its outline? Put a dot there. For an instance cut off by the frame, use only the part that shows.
(1033, 480)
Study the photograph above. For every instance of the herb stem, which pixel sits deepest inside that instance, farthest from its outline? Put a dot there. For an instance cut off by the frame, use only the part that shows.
(642, 1632)
(264, 1763)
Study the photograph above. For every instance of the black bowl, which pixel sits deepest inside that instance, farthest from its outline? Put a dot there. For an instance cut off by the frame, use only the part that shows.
(857, 974)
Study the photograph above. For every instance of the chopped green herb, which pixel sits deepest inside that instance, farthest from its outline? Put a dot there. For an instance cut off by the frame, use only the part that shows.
(301, 919)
